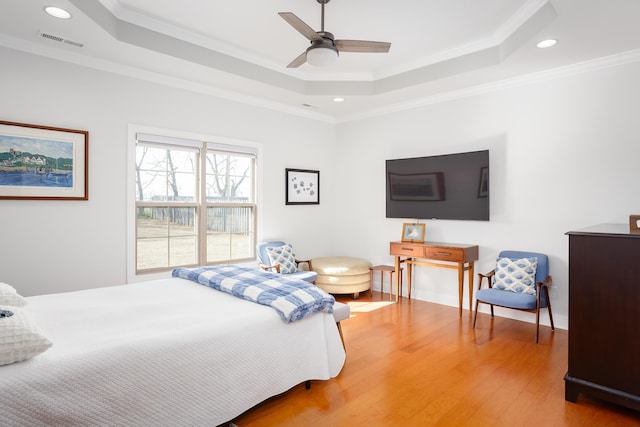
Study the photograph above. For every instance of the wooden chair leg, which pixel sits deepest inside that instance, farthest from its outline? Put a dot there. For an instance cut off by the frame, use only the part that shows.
(546, 293)
(537, 323)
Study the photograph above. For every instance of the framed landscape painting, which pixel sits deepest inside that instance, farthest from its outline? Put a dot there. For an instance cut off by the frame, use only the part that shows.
(41, 162)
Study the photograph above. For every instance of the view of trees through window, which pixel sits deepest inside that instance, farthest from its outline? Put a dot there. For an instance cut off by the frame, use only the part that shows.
(194, 206)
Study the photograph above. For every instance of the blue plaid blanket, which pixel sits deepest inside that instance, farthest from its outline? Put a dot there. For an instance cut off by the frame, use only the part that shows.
(293, 299)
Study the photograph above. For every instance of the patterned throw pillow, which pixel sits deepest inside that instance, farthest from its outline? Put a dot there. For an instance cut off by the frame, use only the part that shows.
(9, 296)
(284, 256)
(20, 339)
(516, 275)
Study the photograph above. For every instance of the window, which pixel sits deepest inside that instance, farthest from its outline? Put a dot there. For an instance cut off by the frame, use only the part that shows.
(194, 203)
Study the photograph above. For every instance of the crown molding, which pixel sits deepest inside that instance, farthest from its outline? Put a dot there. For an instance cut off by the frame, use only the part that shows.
(64, 55)
(597, 64)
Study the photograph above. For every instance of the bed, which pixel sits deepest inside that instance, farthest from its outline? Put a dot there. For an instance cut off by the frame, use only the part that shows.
(162, 352)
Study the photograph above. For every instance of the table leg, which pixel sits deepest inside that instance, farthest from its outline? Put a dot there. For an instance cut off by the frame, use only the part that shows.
(470, 285)
(397, 265)
(460, 286)
(371, 281)
(409, 278)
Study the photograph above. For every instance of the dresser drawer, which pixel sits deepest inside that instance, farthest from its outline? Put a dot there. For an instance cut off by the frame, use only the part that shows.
(406, 249)
(444, 254)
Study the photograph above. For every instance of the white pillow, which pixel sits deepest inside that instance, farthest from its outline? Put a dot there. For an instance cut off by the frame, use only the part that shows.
(516, 275)
(284, 256)
(20, 338)
(9, 296)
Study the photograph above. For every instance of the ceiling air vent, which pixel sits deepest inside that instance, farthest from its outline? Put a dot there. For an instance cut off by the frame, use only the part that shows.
(60, 39)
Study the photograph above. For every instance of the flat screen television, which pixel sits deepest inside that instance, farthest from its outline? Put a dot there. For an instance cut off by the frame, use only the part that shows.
(450, 186)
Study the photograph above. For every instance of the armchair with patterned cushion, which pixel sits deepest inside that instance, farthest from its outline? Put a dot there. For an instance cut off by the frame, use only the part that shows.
(520, 281)
(278, 257)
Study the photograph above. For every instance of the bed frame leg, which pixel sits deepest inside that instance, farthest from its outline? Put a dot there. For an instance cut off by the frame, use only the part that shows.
(307, 384)
(341, 336)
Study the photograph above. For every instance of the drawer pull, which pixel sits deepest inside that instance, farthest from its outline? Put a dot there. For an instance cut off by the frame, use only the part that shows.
(444, 253)
(407, 249)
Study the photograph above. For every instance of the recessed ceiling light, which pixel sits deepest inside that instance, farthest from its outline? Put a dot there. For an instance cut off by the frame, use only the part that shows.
(546, 43)
(338, 99)
(56, 12)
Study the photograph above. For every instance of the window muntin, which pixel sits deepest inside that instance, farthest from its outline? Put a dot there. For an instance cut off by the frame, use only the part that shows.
(166, 173)
(166, 237)
(229, 233)
(229, 177)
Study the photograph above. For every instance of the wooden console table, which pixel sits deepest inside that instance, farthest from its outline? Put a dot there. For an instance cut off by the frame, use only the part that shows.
(433, 254)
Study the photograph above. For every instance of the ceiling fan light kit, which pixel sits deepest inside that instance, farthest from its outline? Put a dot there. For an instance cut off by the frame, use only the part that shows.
(322, 52)
(321, 56)
(324, 49)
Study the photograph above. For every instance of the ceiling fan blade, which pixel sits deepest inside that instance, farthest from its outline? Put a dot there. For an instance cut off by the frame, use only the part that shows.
(300, 25)
(301, 59)
(362, 46)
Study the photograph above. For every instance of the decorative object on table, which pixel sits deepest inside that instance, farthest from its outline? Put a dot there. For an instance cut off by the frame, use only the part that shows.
(413, 233)
(302, 187)
(42, 162)
(520, 281)
(634, 224)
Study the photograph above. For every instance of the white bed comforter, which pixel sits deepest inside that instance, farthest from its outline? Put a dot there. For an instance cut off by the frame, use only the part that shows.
(164, 352)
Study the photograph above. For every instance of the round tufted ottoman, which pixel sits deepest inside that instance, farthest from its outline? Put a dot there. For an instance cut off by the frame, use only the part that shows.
(342, 274)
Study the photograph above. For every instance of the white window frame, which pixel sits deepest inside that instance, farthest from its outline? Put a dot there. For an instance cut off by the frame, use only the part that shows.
(213, 142)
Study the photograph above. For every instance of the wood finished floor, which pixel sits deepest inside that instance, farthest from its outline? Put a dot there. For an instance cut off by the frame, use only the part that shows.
(418, 364)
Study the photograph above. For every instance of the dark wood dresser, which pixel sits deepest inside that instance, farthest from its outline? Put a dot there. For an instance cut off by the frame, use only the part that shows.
(604, 315)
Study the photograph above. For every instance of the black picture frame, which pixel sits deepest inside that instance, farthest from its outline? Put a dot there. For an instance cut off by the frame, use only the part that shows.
(302, 187)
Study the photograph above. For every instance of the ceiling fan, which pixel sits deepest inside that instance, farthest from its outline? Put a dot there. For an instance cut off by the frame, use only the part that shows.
(324, 48)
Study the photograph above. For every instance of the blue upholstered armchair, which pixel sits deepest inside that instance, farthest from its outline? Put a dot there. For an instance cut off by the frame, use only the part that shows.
(278, 257)
(520, 281)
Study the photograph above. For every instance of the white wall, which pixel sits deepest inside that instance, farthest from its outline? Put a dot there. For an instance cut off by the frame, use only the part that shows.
(56, 246)
(563, 155)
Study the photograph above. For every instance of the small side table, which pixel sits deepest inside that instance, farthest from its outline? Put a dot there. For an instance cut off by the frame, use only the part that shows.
(388, 269)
